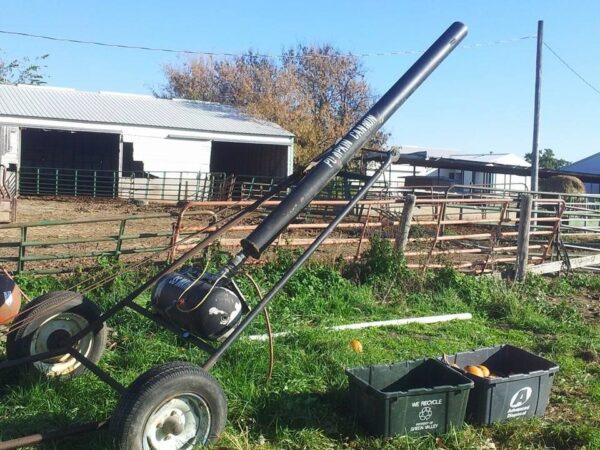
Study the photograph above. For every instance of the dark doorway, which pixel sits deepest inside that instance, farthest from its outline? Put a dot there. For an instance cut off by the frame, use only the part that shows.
(249, 159)
(55, 162)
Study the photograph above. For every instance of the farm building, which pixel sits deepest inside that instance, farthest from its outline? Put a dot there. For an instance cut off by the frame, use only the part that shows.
(589, 165)
(418, 166)
(48, 132)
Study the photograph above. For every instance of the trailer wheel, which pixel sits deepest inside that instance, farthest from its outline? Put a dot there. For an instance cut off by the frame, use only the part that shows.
(174, 406)
(47, 322)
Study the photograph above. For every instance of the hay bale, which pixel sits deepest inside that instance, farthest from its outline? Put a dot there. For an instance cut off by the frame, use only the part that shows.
(562, 183)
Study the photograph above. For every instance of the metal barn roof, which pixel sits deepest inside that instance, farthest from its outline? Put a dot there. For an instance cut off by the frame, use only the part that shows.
(590, 164)
(44, 102)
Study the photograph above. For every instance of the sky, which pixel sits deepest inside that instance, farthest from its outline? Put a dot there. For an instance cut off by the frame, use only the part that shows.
(479, 100)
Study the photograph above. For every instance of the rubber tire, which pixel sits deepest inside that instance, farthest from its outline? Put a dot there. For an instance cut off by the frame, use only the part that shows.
(154, 387)
(18, 342)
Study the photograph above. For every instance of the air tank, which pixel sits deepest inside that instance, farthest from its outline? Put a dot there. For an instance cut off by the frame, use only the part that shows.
(204, 309)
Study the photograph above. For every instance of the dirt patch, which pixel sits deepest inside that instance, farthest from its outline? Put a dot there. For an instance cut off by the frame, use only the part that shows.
(588, 305)
(50, 208)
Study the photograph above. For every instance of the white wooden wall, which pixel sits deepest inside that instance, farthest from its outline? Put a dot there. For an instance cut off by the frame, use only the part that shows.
(161, 154)
(9, 145)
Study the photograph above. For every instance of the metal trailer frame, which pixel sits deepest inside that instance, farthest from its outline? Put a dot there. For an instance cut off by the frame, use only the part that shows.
(324, 168)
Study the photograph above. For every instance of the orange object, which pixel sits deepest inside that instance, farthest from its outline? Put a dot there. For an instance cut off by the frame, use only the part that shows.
(10, 299)
(485, 370)
(474, 370)
(356, 345)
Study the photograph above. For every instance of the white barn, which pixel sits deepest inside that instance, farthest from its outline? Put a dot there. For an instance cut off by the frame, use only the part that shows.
(135, 135)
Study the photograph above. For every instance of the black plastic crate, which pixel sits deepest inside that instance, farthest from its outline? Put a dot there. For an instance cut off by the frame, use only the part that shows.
(520, 388)
(417, 397)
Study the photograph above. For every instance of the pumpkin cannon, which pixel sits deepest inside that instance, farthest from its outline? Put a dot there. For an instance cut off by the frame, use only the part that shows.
(179, 405)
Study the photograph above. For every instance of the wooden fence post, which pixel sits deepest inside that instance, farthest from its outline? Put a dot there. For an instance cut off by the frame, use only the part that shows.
(523, 236)
(405, 222)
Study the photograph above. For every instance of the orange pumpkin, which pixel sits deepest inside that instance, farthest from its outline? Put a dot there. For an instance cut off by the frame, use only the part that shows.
(356, 345)
(485, 370)
(474, 370)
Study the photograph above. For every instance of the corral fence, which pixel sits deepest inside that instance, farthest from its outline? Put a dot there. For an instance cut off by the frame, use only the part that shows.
(583, 210)
(475, 231)
(580, 219)
(167, 186)
(29, 247)
(471, 234)
(151, 186)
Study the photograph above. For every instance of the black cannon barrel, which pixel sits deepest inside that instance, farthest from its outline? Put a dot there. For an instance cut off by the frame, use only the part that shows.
(341, 153)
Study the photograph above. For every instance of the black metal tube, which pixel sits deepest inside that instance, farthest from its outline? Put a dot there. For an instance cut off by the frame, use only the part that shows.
(212, 360)
(340, 154)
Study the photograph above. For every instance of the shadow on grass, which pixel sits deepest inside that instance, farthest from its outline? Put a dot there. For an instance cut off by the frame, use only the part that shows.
(564, 436)
(17, 380)
(328, 412)
(48, 425)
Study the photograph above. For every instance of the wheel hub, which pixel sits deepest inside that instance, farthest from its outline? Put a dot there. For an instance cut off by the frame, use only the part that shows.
(180, 423)
(175, 424)
(57, 339)
(53, 334)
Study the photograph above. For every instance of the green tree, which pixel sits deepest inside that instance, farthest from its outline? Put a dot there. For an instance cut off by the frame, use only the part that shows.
(548, 160)
(22, 71)
(316, 92)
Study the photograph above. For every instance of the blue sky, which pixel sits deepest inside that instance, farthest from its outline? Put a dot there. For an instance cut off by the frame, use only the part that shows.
(479, 100)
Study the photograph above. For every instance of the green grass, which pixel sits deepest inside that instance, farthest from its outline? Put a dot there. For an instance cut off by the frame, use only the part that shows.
(304, 405)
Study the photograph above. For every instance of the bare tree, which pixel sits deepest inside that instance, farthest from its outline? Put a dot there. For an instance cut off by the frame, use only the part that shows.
(316, 92)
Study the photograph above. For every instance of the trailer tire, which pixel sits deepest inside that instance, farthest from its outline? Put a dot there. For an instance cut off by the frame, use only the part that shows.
(176, 405)
(50, 319)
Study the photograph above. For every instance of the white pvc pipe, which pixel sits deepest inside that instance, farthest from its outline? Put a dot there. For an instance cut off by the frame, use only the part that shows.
(381, 323)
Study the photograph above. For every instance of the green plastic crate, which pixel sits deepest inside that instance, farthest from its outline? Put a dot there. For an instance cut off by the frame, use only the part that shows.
(520, 389)
(411, 397)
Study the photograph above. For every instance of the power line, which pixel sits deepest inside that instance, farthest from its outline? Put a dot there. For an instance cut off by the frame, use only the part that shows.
(566, 64)
(223, 54)
(498, 42)
(105, 44)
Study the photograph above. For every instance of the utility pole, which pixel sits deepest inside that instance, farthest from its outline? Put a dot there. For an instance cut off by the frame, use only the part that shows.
(535, 157)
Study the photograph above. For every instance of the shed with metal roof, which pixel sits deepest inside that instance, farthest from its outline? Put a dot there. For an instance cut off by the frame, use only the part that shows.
(589, 164)
(49, 128)
(424, 166)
